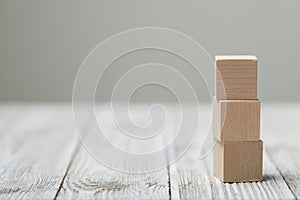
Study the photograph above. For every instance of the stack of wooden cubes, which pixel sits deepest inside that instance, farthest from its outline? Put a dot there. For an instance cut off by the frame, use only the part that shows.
(236, 120)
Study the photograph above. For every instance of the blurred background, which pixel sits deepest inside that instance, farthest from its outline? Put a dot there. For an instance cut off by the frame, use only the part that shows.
(43, 43)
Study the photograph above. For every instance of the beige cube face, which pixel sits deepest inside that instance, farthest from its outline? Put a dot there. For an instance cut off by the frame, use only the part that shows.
(236, 77)
(236, 120)
(238, 161)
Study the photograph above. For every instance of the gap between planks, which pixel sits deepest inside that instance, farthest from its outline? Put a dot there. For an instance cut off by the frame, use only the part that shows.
(77, 146)
(76, 149)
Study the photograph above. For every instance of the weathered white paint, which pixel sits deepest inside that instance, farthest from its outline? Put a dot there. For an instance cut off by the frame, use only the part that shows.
(42, 158)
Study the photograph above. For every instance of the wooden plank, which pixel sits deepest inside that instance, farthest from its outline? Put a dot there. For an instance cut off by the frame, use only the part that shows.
(281, 132)
(7, 112)
(87, 178)
(285, 164)
(35, 152)
(189, 176)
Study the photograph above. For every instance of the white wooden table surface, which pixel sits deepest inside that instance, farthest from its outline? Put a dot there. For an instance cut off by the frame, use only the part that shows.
(42, 158)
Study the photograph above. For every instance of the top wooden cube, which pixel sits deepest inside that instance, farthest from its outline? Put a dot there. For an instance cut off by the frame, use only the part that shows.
(236, 77)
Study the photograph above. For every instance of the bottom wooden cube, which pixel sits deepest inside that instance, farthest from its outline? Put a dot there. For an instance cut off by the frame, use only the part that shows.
(238, 161)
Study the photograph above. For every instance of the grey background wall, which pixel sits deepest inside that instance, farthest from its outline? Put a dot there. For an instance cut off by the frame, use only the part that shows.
(43, 43)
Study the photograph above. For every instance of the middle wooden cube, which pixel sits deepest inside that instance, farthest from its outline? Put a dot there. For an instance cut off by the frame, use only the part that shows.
(236, 120)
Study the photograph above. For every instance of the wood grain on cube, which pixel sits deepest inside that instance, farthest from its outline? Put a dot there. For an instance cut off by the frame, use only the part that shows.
(236, 120)
(236, 77)
(238, 161)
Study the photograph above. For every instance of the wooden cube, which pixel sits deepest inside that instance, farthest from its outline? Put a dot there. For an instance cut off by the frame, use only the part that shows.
(238, 161)
(236, 77)
(236, 120)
